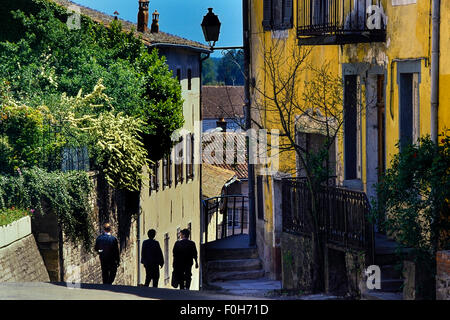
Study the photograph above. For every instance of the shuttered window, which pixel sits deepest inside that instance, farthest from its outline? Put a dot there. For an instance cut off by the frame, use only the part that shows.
(287, 14)
(267, 14)
(277, 14)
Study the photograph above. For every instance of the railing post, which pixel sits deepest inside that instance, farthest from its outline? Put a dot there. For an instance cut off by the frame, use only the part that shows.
(206, 217)
(242, 213)
(217, 220)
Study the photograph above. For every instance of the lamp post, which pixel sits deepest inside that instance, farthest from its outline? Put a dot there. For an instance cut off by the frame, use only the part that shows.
(211, 30)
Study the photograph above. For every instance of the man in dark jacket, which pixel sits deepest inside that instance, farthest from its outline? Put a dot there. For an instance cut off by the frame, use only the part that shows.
(108, 248)
(152, 258)
(184, 252)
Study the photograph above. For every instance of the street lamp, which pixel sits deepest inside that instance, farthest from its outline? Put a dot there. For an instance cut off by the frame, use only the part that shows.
(211, 27)
(211, 30)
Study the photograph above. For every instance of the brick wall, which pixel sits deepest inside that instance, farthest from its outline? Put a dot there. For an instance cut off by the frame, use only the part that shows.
(21, 261)
(443, 275)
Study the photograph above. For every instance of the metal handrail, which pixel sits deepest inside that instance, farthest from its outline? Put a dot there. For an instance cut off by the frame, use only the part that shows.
(225, 205)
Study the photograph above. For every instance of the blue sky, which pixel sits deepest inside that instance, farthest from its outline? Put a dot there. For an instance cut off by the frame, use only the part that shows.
(182, 17)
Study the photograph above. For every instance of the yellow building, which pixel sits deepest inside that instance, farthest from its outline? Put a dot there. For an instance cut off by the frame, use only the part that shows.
(172, 200)
(381, 51)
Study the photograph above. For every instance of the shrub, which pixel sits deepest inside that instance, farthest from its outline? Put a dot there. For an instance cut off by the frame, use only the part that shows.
(64, 194)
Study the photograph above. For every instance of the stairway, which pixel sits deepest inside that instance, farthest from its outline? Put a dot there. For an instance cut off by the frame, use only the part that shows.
(234, 268)
(233, 264)
(391, 275)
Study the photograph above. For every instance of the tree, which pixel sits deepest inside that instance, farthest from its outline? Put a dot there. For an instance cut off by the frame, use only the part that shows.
(230, 67)
(413, 202)
(44, 60)
(292, 103)
(208, 72)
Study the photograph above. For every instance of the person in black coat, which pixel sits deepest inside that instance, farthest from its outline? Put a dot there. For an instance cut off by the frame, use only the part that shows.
(152, 258)
(184, 253)
(108, 248)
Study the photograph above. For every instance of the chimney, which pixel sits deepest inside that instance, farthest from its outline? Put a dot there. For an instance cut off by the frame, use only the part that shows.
(222, 124)
(142, 24)
(155, 22)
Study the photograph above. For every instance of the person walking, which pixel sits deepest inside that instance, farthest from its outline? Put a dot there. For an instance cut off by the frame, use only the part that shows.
(152, 258)
(108, 248)
(184, 253)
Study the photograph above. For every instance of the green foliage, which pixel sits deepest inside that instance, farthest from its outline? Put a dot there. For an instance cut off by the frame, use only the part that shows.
(46, 59)
(25, 139)
(118, 148)
(114, 139)
(209, 71)
(9, 215)
(230, 69)
(64, 194)
(414, 193)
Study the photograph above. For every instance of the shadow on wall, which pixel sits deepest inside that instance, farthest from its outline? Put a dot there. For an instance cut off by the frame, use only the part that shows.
(117, 207)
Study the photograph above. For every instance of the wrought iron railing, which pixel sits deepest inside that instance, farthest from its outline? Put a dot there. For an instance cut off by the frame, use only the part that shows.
(342, 214)
(225, 216)
(339, 17)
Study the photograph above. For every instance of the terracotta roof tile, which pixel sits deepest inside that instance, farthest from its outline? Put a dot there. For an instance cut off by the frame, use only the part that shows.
(213, 180)
(222, 101)
(148, 38)
(232, 145)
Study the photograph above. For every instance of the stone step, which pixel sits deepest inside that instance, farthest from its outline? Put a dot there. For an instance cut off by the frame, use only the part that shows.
(235, 275)
(231, 254)
(391, 285)
(381, 295)
(234, 265)
(390, 272)
(386, 259)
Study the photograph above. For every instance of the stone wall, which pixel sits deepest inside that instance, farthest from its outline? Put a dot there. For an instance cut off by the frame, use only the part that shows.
(70, 262)
(20, 261)
(296, 258)
(343, 272)
(443, 275)
(80, 265)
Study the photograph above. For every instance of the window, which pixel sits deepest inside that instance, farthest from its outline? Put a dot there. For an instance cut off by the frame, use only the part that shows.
(167, 172)
(189, 72)
(179, 75)
(277, 14)
(190, 157)
(409, 108)
(179, 161)
(154, 176)
(320, 12)
(166, 259)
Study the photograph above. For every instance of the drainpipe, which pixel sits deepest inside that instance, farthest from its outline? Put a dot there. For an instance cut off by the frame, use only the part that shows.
(138, 226)
(435, 51)
(251, 167)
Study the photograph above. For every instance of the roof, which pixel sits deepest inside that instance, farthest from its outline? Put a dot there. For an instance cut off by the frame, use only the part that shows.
(313, 121)
(214, 179)
(223, 101)
(212, 143)
(148, 38)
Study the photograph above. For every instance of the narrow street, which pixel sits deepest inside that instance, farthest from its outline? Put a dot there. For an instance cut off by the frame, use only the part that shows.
(60, 291)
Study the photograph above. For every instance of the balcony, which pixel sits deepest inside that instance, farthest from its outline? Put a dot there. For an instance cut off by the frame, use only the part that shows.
(332, 22)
